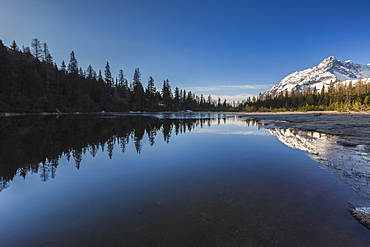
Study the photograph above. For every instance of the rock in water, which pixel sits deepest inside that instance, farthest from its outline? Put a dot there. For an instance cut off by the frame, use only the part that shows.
(361, 213)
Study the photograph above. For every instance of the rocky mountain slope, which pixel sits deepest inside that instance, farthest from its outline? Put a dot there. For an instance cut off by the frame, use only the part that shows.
(329, 70)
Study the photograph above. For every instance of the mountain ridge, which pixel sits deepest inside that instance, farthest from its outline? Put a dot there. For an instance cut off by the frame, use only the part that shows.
(317, 77)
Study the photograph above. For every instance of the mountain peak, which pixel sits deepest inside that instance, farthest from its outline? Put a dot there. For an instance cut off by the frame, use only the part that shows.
(331, 58)
(329, 70)
(328, 61)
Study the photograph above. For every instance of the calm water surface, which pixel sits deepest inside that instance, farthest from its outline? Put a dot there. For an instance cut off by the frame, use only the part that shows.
(165, 180)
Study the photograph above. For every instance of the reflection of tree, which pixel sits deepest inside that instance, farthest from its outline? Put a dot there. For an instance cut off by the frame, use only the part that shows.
(4, 183)
(47, 168)
(110, 146)
(138, 134)
(36, 144)
(151, 135)
(123, 141)
(166, 131)
(251, 122)
(77, 156)
(138, 144)
(93, 149)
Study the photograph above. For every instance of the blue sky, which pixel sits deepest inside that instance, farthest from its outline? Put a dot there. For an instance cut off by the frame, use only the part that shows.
(225, 48)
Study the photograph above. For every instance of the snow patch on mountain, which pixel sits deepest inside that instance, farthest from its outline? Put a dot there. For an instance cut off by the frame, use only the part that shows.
(329, 70)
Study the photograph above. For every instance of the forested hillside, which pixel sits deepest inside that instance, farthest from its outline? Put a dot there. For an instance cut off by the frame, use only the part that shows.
(338, 96)
(31, 81)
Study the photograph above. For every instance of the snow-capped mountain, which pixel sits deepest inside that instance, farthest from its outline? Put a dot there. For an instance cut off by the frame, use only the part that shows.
(329, 70)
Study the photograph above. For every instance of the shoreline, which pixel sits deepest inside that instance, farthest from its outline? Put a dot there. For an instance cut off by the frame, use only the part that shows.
(9, 114)
(352, 128)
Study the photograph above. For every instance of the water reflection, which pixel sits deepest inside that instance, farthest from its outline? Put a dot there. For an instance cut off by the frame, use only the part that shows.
(350, 164)
(202, 189)
(36, 144)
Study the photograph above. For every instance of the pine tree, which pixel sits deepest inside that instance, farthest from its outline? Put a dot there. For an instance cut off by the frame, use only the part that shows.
(137, 78)
(26, 50)
(73, 65)
(100, 77)
(49, 59)
(108, 75)
(151, 88)
(166, 93)
(81, 72)
(138, 90)
(36, 48)
(63, 67)
(121, 79)
(44, 51)
(177, 97)
(183, 101)
(14, 47)
(90, 72)
(124, 90)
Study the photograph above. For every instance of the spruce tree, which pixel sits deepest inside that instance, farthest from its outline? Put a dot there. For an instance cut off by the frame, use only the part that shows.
(177, 97)
(63, 67)
(100, 77)
(36, 48)
(151, 88)
(108, 75)
(166, 92)
(44, 51)
(73, 65)
(138, 90)
(124, 90)
(14, 47)
(90, 72)
(122, 81)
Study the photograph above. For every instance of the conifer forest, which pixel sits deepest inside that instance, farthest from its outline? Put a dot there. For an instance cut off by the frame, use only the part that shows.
(31, 82)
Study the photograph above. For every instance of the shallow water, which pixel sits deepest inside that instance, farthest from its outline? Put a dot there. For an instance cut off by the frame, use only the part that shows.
(165, 180)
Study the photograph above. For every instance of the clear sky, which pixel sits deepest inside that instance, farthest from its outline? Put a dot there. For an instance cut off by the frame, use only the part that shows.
(227, 48)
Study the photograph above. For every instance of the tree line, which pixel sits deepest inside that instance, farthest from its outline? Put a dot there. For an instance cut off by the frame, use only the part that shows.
(338, 96)
(31, 81)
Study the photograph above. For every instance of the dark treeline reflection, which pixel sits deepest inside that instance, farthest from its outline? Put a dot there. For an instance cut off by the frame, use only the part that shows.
(36, 144)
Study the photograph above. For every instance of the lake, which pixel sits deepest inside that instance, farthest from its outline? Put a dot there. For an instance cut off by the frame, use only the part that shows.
(169, 179)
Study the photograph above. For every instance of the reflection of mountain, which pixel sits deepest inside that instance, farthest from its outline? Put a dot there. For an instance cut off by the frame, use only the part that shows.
(312, 142)
(350, 164)
(35, 144)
